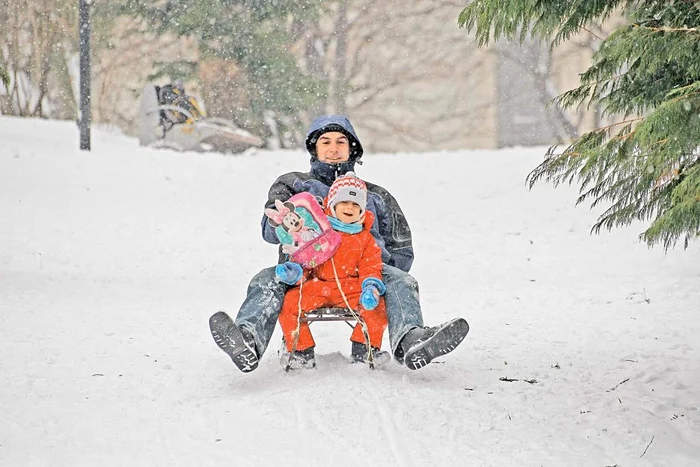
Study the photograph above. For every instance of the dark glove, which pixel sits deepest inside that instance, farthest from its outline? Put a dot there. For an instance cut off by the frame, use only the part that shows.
(372, 289)
(289, 272)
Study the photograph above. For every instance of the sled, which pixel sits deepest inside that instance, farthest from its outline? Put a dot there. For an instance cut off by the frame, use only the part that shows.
(196, 133)
(333, 314)
(330, 314)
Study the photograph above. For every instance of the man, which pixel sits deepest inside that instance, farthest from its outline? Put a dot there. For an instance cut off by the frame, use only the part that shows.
(335, 149)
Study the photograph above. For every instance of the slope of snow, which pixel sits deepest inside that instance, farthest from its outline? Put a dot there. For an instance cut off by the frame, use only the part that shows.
(583, 349)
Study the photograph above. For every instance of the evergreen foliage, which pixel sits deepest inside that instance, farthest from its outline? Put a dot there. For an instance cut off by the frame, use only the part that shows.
(253, 34)
(645, 75)
(4, 77)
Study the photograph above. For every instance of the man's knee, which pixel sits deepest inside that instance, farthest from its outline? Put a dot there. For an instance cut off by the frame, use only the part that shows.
(265, 279)
(396, 277)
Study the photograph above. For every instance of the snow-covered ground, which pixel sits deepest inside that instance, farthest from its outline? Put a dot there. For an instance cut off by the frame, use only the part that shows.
(584, 350)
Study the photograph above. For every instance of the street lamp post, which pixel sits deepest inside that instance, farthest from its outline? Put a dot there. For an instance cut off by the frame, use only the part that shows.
(84, 25)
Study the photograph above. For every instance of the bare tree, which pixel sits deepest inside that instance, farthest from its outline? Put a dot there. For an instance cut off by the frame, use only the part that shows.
(125, 59)
(400, 68)
(34, 50)
(532, 75)
(39, 50)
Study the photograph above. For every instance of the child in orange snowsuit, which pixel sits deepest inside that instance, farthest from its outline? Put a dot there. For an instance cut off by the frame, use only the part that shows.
(357, 265)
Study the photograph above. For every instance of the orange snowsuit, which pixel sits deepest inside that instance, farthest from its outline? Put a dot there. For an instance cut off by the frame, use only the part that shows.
(357, 258)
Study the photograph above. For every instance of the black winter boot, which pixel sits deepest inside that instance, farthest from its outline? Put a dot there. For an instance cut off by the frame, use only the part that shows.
(238, 343)
(421, 345)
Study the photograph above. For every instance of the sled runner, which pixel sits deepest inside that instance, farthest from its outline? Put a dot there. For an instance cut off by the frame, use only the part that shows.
(330, 314)
(169, 118)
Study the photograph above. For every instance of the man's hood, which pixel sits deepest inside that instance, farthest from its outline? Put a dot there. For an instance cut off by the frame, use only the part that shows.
(340, 123)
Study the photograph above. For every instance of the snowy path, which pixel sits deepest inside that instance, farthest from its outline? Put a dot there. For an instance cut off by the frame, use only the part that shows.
(112, 262)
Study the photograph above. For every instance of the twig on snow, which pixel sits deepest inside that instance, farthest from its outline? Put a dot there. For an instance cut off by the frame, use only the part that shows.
(507, 379)
(618, 384)
(645, 449)
(511, 380)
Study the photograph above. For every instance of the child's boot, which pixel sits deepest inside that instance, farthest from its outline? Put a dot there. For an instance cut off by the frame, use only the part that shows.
(297, 360)
(359, 354)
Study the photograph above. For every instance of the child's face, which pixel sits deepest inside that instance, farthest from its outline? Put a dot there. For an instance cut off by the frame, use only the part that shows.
(347, 211)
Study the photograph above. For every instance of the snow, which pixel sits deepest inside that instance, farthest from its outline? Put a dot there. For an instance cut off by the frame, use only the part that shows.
(112, 261)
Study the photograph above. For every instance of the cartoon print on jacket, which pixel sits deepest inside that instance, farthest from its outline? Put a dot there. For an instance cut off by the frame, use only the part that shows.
(294, 225)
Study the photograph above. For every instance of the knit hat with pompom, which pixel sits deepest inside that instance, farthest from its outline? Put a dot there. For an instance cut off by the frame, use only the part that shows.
(348, 188)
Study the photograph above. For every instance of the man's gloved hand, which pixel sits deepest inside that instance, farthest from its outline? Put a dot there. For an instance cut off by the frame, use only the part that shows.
(372, 289)
(289, 272)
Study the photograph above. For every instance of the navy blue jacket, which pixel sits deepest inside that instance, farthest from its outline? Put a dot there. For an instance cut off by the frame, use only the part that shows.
(390, 228)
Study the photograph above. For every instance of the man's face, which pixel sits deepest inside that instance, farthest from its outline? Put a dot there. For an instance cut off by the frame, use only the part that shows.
(333, 147)
(347, 211)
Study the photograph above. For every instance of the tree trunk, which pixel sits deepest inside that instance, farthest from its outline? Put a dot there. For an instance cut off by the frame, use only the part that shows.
(341, 34)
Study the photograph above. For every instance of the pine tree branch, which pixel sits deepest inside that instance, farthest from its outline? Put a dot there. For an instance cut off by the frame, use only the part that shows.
(668, 29)
(646, 166)
(592, 33)
(624, 122)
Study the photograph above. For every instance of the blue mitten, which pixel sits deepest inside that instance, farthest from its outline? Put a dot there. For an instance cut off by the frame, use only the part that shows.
(372, 289)
(289, 272)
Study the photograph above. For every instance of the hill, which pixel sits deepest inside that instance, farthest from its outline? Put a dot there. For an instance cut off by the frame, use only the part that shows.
(583, 349)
